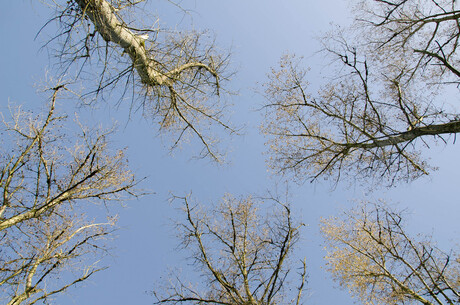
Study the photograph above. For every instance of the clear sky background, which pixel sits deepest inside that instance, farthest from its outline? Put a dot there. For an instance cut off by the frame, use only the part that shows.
(258, 32)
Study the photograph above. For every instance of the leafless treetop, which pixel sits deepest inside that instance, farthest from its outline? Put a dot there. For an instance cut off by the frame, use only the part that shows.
(384, 104)
(242, 254)
(175, 78)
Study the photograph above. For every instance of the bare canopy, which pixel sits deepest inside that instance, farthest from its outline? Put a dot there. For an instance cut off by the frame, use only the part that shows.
(385, 102)
(49, 177)
(372, 255)
(243, 254)
(176, 78)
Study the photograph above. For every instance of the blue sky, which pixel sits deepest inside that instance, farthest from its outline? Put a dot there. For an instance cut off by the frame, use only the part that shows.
(258, 33)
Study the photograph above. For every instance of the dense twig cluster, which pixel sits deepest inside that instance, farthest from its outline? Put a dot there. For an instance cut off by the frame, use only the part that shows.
(242, 254)
(371, 254)
(373, 117)
(175, 78)
(47, 177)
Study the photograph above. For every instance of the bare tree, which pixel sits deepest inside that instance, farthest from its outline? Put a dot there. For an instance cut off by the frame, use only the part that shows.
(44, 256)
(242, 254)
(371, 254)
(384, 103)
(48, 178)
(175, 77)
